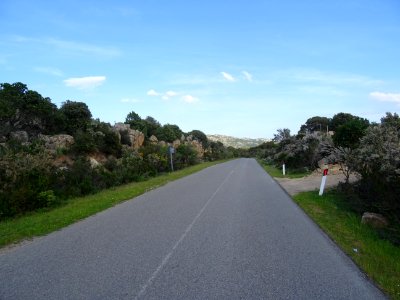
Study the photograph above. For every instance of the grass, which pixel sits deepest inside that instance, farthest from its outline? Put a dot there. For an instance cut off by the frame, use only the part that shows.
(378, 258)
(275, 172)
(43, 222)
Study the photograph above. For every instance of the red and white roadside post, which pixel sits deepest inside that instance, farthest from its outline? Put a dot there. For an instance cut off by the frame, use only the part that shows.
(323, 181)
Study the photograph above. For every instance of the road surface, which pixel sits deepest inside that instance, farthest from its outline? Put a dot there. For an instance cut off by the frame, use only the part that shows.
(227, 232)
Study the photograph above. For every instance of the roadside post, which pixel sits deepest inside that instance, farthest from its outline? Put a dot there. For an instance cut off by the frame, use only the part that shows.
(171, 150)
(323, 181)
(283, 169)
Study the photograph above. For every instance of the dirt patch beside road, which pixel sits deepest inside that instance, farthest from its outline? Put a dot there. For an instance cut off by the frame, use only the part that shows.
(310, 183)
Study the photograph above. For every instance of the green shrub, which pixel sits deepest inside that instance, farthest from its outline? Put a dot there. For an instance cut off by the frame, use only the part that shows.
(84, 142)
(77, 180)
(377, 160)
(24, 175)
(47, 198)
(185, 156)
(132, 166)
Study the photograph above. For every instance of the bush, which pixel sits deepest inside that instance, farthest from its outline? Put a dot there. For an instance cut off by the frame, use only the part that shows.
(24, 176)
(185, 156)
(85, 142)
(47, 198)
(76, 116)
(106, 140)
(131, 166)
(378, 161)
(299, 153)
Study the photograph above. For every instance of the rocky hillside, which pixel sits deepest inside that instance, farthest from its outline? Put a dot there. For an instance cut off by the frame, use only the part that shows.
(230, 141)
(49, 154)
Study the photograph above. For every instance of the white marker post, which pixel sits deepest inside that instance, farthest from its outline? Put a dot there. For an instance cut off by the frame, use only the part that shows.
(283, 170)
(171, 151)
(323, 181)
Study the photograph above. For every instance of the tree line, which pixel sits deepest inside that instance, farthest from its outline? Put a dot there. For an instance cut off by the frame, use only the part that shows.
(370, 151)
(32, 177)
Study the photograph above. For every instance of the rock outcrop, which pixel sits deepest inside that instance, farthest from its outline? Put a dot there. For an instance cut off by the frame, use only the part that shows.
(187, 141)
(63, 162)
(59, 141)
(93, 163)
(198, 147)
(374, 220)
(130, 137)
(153, 140)
(20, 136)
(176, 143)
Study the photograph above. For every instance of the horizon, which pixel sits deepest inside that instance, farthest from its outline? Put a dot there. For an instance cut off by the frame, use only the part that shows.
(241, 70)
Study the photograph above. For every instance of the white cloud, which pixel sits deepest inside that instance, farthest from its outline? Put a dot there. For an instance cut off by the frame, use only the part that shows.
(247, 76)
(386, 97)
(171, 94)
(84, 83)
(190, 99)
(129, 100)
(153, 93)
(228, 76)
(49, 70)
(72, 46)
(84, 48)
(164, 96)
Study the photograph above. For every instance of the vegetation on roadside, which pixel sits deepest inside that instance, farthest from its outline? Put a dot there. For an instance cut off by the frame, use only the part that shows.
(278, 173)
(377, 256)
(371, 150)
(44, 221)
(43, 189)
(49, 154)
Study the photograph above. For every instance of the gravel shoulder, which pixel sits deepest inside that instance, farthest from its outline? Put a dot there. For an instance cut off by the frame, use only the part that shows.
(310, 183)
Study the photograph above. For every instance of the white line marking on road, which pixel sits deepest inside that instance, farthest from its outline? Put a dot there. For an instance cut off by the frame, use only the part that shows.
(188, 229)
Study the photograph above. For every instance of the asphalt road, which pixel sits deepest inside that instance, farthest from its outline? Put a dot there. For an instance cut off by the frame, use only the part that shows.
(227, 232)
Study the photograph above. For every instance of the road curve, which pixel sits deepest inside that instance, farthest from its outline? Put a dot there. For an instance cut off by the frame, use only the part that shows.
(227, 232)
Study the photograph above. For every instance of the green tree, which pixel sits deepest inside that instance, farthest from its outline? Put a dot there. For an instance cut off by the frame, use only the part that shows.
(137, 123)
(11, 97)
(348, 135)
(133, 119)
(35, 108)
(217, 150)
(23, 109)
(76, 116)
(169, 133)
(152, 126)
(391, 120)
(314, 124)
(282, 134)
(201, 137)
(340, 119)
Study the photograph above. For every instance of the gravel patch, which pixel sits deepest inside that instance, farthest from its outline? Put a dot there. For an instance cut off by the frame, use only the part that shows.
(310, 183)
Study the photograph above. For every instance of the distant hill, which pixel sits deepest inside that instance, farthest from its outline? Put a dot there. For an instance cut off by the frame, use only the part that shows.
(230, 141)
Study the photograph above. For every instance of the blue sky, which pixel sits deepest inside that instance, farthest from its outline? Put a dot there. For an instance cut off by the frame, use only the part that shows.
(240, 68)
